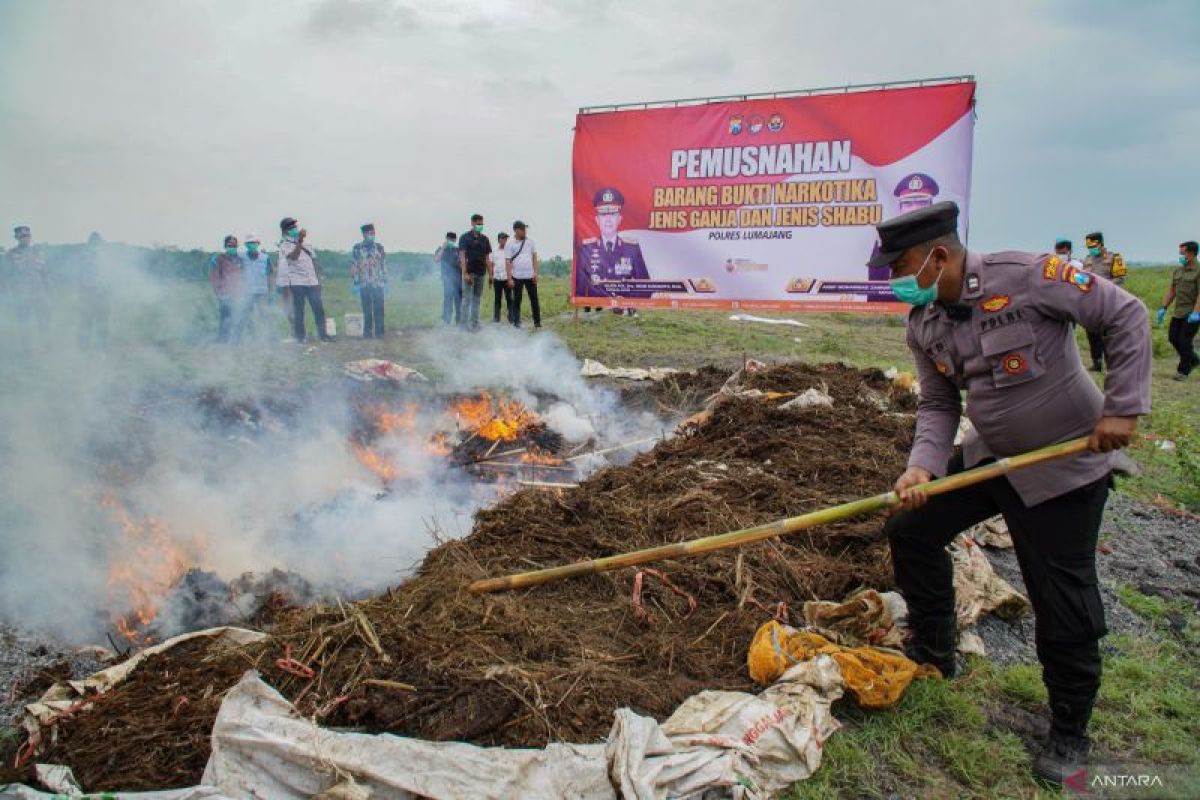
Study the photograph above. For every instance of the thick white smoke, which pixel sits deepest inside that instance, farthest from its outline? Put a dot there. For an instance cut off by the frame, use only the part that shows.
(120, 462)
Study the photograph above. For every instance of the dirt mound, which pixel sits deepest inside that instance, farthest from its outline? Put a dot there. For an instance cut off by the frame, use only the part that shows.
(676, 394)
(429, 659)
(150, 732)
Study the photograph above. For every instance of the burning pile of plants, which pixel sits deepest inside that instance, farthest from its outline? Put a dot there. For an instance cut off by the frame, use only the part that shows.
(480, 434)
(431, 660)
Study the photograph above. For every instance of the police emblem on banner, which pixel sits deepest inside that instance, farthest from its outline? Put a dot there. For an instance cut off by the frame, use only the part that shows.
(735, 125)
(756, 124)
(775, 122)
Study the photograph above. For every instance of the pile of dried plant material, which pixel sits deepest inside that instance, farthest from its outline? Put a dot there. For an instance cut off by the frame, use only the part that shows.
(676, 394)
(431, 660)
(149, 732)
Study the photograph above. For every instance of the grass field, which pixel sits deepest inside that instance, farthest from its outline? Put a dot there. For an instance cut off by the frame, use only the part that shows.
(940, 741)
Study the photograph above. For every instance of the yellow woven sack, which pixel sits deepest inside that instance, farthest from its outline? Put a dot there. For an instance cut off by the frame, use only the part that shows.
(876, 678)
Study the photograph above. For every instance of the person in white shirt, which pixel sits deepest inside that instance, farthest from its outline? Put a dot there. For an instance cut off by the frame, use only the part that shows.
(1062, 249)
(502, 283)
(521, 257)
(298, 271)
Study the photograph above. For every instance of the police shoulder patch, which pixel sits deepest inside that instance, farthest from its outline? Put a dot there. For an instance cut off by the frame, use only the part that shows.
(1050, 269)
(996, 302)
(628, 239)
(593, 240)
(1083, 281)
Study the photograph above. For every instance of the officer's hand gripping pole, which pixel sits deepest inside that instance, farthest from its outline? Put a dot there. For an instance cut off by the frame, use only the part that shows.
(781, 527)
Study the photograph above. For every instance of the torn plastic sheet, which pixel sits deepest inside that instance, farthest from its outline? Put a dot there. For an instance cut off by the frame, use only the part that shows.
(594, 369)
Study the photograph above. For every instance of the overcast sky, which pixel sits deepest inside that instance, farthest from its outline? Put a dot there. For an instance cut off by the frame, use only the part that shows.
(160, 121)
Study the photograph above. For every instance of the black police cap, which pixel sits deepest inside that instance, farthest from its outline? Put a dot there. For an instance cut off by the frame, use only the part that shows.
(909, 230)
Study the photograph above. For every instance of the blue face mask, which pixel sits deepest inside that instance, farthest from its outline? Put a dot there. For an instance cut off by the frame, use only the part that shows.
(908, 290)
(1094, 251)
(231, 251)
(291, 233)
(252, 249)
(369, 238)
(1183, 261)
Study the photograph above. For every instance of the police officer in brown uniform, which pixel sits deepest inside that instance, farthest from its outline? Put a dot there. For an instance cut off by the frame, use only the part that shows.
(998, 327)
(1099, 261)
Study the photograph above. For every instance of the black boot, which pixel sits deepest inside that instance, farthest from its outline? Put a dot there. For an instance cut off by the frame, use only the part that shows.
(1063, 756)
(934, 642)
(1067, 745)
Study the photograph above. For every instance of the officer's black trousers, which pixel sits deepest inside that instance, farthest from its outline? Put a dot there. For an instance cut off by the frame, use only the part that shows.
(1096, 345)
(312, 294)
(1055, 543)
(1182, 336)
(526, 285)
(501, 291)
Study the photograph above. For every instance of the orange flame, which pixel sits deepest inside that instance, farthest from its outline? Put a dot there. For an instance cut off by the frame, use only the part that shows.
(149, 563)
(540, 457)
(381, 466)
(493, 420)
(395, 422)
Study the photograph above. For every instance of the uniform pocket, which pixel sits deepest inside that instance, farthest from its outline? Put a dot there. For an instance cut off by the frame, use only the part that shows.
(940, 354)
(1012, 354)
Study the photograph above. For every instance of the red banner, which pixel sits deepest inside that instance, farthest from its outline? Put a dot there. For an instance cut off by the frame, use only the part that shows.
(760, 204)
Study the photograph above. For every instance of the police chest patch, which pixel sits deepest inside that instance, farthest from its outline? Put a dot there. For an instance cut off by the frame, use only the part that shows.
(972, 283)
(1014, 364)
(997, 302)
(1050, 271)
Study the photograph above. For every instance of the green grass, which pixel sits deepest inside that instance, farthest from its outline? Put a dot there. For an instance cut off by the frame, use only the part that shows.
(938, 741)
(1175, 414)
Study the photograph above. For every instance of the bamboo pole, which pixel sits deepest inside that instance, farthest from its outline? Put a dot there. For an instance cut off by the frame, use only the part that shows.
(781, 527)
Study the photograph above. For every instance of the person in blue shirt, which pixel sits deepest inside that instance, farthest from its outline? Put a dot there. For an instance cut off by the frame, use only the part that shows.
(368, 269)
(256, 280)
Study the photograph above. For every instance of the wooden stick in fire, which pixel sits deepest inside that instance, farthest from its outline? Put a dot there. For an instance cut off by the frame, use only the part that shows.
(613, 449)
(781, 527)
